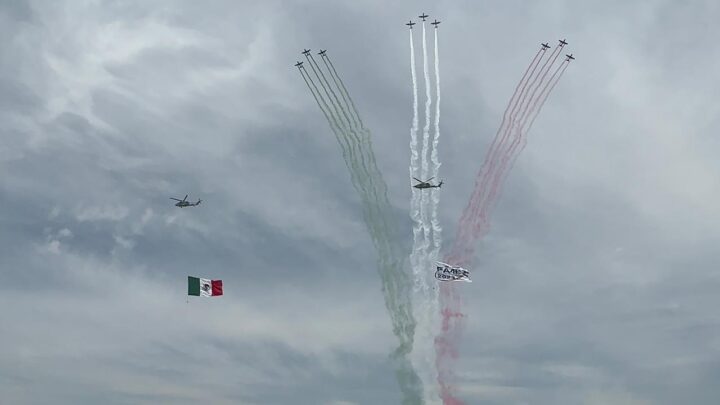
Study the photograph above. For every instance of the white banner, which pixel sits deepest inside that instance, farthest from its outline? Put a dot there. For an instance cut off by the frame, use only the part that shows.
(445, 272)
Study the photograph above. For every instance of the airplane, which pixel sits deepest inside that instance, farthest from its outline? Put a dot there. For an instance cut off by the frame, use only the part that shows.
(546, 46)
(299, 64)
(447, 272)
(569, 58)
(426, 183)
(563, 42)
(322, 52)
(424, 16)
(435, 23)
(306, 52)
(185, 203)
(410, 24)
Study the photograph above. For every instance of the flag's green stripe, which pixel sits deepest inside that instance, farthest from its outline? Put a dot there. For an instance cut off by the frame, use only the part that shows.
(193, 286)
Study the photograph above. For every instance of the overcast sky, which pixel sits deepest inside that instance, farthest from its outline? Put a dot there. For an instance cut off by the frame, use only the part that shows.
(598, 283)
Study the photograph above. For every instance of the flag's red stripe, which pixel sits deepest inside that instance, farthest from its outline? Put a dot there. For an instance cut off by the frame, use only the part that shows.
(217, 287)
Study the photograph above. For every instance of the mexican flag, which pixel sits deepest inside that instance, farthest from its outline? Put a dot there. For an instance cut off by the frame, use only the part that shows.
(204, 287)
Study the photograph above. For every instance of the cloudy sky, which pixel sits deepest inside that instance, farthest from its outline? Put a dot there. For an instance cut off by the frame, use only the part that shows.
(596, 285)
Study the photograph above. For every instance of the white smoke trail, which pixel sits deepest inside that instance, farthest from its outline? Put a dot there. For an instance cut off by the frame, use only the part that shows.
(425, 148)
(435, 168)
(416, 254)
(424, 199)
(433, 304)
(426, 227)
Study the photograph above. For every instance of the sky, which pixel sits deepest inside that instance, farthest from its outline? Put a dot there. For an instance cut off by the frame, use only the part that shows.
(597, 283)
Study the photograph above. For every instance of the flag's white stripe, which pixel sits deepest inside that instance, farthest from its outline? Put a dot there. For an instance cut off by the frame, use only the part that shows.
(205, 287)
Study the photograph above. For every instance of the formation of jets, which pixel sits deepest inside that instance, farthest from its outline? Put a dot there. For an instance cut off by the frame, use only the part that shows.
(568, 57)
(444, 271)
(306, 52)
(423, 17)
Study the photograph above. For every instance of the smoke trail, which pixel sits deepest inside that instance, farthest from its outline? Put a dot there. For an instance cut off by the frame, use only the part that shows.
(418, 255)
(500, 138)
(459, 251)
(356, 146)
(424, 165)
(474, 222)
(544, 73)
(427, 233)
(434, 254)
(435, 168)
(542, 103)
(519, 139)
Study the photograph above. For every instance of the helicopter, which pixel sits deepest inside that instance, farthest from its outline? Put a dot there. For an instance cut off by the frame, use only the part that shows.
(185, 203)
(426, 184)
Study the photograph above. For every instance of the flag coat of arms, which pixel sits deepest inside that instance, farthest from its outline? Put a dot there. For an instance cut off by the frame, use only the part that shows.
(204, 287)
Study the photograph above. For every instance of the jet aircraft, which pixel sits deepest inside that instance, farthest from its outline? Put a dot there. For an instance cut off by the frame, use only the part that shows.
(410, 24)
(423, 16)
(185, 203)
(435, 23)
(569, 58)
(426, 184)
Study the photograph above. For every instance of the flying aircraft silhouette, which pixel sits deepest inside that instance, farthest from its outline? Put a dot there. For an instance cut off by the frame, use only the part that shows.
(185, 203)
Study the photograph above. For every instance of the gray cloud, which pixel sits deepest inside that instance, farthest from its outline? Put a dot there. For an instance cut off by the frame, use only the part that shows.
(595, 285)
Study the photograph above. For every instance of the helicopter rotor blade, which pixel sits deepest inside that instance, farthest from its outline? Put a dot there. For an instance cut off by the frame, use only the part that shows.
(418, 179)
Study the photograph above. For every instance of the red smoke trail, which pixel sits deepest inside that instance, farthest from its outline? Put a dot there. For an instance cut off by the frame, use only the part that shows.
(445, 342)
(520, 140)
(512, 103)
(474, 222)
(491, 159)
(518, 132)
(535, 110)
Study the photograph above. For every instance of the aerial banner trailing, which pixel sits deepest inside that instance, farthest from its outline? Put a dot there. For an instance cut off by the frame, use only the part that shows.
(446, 272)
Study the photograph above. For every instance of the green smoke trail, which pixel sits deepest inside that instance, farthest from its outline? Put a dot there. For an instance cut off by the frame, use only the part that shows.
(356, 145)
